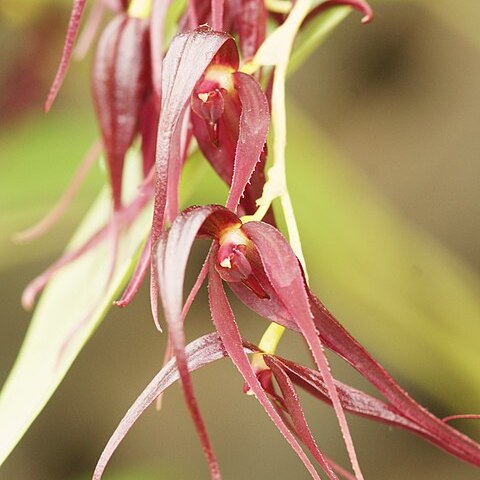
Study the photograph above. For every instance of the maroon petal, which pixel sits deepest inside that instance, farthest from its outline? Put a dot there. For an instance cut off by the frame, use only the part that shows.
(292, 404)
(90, 30)
(254, 122)
(337, 339)
(284, 272)
(217, 15)
(463, 416)
(72, 31)
(137, 277)
(157, 31)
(172, 255)
(225, 324)
(361, 5)
(186, 60)
(38, 284)
(353, 400)
(148, 118)
(199, 353)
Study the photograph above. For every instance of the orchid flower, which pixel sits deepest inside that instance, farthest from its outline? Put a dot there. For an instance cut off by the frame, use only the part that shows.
(258, 265)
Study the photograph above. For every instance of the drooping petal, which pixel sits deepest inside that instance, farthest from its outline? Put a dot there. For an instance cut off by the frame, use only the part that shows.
(186, 60)
(361, 5)
(124, 218)
(415, 417)
(358, 402)
(284, 272)
(33, 289)
(148, 121)
(172, 255)
(199, 353)
(225, 324)
(254, 122)
(337, 339)
(90, 30)
(464, 416)
(72, 31)
(292, 403)
(137, 277)
(217, 14)
(353, 400)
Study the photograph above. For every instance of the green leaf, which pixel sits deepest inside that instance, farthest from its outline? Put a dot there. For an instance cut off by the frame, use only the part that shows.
(63, 313)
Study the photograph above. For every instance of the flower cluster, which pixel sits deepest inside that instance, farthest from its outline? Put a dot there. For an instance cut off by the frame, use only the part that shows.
(207, 93)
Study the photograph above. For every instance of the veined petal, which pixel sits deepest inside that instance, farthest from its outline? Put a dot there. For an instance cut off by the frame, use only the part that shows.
(199, 353)
(292, 404)
(254, 122)
(120, 84)
(225, 324)
(250, 22)
(172, 255)
(337, 339)
(159, 13)
(186, 60)
(284, 272)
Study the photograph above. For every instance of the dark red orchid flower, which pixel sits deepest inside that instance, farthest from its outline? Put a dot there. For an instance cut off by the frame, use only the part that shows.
(230, 123)
(259, 266)
(124, 109)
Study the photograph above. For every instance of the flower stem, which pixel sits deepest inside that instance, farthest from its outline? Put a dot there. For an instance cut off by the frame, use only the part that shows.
(268, 344)
(278, 6)
(276, 51)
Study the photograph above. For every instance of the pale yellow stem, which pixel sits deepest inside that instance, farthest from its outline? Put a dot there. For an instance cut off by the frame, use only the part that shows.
(278, 6)
(140, 9)
(276, 51)
(268, 344)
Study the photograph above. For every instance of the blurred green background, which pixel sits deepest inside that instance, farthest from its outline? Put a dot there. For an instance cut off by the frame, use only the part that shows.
(383, 168)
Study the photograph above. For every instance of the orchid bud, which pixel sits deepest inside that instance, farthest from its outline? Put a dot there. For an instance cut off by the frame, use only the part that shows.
(120, 83)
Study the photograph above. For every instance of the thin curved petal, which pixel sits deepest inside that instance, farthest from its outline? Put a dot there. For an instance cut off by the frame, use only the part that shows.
(284, 272)
(72, 31)
(292, 404)
(254, 122)
(63, 203)
(337, 339)
(199, 353)
(159, 13)
(225, 324)
(172, 255)
(186, 60)
(361, 5)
